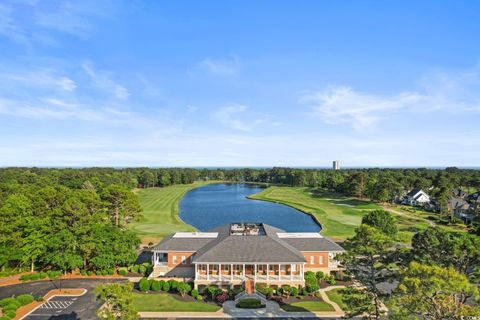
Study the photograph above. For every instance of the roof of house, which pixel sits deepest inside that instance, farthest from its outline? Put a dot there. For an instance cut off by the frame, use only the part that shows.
(455, 203)
(416, 193)
(266, 246)
(459, 193)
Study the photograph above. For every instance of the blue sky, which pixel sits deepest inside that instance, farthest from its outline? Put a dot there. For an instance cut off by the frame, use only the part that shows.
(239, 83)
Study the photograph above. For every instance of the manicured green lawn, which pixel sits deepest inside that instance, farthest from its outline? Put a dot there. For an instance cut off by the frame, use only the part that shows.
(160, 210)
(336, 297)
(166, 302)
(305, 306)
(338, 215)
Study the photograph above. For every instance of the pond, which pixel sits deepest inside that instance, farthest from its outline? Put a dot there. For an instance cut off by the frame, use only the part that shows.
(217, 204)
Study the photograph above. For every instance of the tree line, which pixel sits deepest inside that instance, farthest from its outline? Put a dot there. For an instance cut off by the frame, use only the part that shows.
(436, 278)
(49, 221)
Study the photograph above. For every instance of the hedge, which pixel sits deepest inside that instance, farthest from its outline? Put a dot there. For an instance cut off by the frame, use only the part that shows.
(144, 285)
(250, 303)
(24, 299)
(156, 285)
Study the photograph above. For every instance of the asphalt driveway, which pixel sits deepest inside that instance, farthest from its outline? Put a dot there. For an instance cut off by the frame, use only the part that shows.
(71, 308)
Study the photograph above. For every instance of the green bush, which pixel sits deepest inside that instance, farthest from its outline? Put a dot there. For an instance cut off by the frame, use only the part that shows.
(183, 288)
(134, 268)
(144, 285)
(173, 284)
(122, 272)
(34, 276)
(142, 269)
(25, 277)
(294, 291)
(43, 275)
(194, 293)
(89, 273)
(24, 299)
(83, 272)
(54, 274)
(156, 286)
(11, 314)
(250, 303)
(199, 298)
(12, 306)
(166, 286)
(4, 318)
(320, 275)
(110, 272)
(38, 298)
(330, 280)
(6, 301)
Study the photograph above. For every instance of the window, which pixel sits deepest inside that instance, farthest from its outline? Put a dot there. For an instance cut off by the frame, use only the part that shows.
(184, 260)
(320, 260)
(271, 267)
(260, 267)
(312, 259)
(174, 259)
(225, 267)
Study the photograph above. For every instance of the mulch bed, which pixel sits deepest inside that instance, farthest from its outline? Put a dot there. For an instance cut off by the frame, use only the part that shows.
(324, 285)
(296, 299)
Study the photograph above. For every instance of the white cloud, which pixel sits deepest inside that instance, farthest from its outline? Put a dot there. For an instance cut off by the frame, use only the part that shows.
(40, 78)
(345, 105)
(452, 93)
(104, 80)
(225, 67)
(230, 116)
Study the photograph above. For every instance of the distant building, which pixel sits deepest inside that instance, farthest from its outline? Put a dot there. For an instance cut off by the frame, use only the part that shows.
(416, 197)
(336, 165)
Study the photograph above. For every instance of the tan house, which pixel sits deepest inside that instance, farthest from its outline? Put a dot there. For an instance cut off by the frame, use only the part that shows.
(240, 252)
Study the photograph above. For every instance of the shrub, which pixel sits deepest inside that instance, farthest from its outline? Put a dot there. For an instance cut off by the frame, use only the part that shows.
(305, 291)
(199, 298)
(6, 301)
(24, 299)
(25, 277)
(42, 275)
(142, 269)
(156, 286)
(122, 272)
(34, 276)
(38, 298)
(134, 268)
(183, 288)
(11, 314)
(12, 306)
(318, 295)
(83, 272)
(173, 284)
(144, 285)
(320, 275)
(294, 291)
(89, 273)
(54, 274)
(166, 286)
(330, 280)
(221, 298)
(310, 278)
(250, 303)
(194, 293)
(4, 318)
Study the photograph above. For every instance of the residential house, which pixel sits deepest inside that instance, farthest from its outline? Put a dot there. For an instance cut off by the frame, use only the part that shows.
(416, 197)
(237, 253)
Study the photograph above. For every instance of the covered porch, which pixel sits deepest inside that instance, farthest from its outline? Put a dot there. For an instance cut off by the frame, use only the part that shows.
(265, 272)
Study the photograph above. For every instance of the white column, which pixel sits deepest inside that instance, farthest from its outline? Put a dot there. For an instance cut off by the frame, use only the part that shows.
(219, 272)
(208, 272)
(231, 272)
(268, 270)
(243, 272)
(196, 271)
(279, 272)
(291, 273)
(255, 272)
(303, 271)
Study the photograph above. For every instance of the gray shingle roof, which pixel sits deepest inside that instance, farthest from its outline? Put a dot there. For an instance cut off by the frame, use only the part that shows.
(182, 244)
(313, 244)
(237, 248)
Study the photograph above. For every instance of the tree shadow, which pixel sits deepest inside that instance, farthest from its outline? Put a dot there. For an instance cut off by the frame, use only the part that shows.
(71, 316)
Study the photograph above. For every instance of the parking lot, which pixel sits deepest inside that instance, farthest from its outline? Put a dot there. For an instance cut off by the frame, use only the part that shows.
(57, 308)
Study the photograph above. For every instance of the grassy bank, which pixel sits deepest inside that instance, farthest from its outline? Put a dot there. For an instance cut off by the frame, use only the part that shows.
(339, 215)
(160, 210)
(306, 306)
(167, 303)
